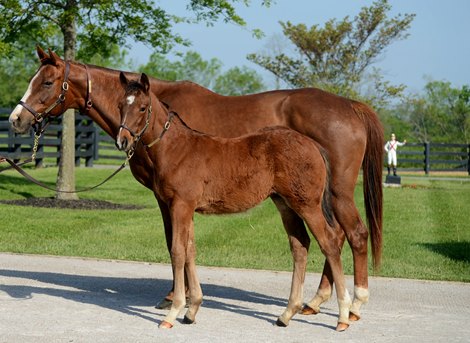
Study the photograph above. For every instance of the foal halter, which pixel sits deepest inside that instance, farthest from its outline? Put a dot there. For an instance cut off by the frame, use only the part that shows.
(138, 136)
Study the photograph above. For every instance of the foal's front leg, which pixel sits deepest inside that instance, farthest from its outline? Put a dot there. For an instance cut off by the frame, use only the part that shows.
(181, 218)
(195, 292)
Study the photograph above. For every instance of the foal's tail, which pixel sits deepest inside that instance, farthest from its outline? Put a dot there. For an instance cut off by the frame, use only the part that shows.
(372, 165)
(326, 206)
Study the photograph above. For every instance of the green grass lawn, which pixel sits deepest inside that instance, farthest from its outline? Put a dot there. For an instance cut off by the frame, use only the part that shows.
(426, 228)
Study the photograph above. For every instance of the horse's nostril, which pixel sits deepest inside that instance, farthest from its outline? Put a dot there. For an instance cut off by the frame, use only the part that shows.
(121, 143)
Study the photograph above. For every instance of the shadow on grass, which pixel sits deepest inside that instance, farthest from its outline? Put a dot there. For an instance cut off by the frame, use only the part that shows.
(457, 251)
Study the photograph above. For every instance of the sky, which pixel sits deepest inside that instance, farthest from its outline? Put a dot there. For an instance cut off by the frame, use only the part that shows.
(438, 46)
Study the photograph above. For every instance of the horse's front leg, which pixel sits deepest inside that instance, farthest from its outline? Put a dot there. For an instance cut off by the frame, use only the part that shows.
(181, 218)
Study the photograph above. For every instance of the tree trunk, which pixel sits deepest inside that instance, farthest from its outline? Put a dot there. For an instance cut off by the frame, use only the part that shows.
(66, 173)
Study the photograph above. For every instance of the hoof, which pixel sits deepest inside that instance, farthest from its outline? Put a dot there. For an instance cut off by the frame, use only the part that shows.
(280, 323)
(165, 304)
(341, 327)
(186, 320)
(307, 310)
(165, 325)
(354, 317)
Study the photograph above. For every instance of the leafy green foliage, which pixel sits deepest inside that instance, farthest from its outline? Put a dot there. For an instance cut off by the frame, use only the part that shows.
(338, 56)
(239, 81)
(440, 114)
(235, 81)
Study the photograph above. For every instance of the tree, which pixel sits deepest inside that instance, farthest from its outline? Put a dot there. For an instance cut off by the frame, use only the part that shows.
(239, 81)
(95, 27)
(338, 56)
(191, 66)
(440, 114)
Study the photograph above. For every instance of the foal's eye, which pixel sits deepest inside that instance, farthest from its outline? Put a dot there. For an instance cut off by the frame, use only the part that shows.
(142, 109)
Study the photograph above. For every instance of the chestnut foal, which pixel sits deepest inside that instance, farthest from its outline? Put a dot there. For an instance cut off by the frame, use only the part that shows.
(196, 172)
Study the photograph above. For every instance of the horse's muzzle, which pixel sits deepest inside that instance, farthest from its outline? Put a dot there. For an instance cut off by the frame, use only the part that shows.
(19, 122)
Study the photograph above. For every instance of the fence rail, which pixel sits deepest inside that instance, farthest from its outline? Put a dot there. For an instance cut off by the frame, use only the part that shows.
(434, 157)
(93, 145)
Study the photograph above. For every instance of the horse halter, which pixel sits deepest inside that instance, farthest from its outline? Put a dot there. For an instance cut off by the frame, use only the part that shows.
(38, 117)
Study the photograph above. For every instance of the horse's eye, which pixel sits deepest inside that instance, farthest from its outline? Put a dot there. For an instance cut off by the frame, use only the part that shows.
(48, 83)
(142, 109)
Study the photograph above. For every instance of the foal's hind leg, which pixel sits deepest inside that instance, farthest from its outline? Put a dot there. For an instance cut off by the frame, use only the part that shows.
(327, 239)
(351, 224)
(299, 243)
(323, 294)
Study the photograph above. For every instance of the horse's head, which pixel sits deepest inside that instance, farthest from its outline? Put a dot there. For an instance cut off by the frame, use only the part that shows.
(46, 93)
(135, 109)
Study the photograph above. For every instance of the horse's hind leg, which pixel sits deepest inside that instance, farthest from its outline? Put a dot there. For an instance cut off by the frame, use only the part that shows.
(299, 243)
(348, 217)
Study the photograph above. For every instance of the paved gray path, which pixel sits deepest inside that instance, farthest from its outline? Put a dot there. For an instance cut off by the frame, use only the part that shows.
(56, 299)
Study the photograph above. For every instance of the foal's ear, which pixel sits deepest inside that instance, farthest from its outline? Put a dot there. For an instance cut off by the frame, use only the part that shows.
(123, 79)
(144, 80)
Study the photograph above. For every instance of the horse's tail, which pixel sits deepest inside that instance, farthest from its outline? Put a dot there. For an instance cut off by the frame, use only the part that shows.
(372, 166)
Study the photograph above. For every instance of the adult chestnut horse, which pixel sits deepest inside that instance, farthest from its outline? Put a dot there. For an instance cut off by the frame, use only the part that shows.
(274, 162)
(349, 132)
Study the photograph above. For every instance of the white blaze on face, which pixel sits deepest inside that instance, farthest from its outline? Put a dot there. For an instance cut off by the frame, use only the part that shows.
(16, 112)
(130, 99)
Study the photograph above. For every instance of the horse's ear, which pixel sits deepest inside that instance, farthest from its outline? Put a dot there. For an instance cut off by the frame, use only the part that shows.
(41, 54)
(54, 58)
(144, 80)
(123, 79)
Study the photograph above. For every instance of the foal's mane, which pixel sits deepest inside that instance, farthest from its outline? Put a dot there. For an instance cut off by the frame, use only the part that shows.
(135, 86)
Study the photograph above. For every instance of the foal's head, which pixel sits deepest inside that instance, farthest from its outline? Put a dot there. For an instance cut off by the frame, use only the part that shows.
(135, 109)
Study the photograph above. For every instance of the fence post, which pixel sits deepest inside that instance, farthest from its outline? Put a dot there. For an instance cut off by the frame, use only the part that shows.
(427, 157)
(96, 143)
(59, 136)
(468, 159)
